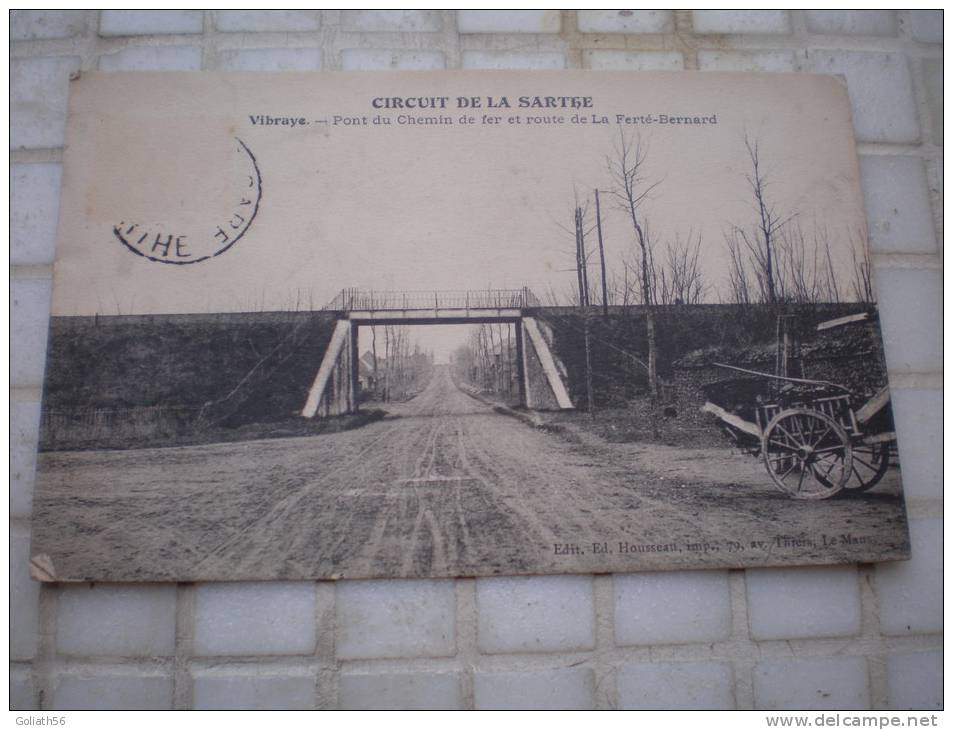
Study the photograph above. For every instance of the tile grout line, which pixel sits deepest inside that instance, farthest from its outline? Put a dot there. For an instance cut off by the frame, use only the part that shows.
(45, 657)
(90, 51)
(921, 101)
(466, 618)
(569, 31)
(330, 50)
(870, 630)
(856, 645)
(183, 690)
(327, 686)
(450, 39)
(209, 47)
(605, 670)
(740, 637)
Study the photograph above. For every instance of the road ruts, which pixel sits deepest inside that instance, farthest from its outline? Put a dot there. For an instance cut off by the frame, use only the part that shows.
(442, 486)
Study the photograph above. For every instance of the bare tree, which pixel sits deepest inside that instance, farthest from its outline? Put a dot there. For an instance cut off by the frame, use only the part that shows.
(643, 275)
(739, 275)
(796, 267)
(619, 286)
(630, 190)
(828, 286)
(488, 359)
(582, 263)
(761, 239)
(602, 257)
(579, 231)
(679, 277)
(558, 298)
(863, 284)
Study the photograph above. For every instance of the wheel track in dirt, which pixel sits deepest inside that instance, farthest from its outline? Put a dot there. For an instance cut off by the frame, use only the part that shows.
(281, 510)
(443, 487)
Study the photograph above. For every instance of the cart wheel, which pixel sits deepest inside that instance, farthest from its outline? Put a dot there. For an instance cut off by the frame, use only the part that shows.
(868, 466)
(807, 454)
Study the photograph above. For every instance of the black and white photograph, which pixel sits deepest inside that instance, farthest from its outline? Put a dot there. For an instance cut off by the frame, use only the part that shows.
(461, 324)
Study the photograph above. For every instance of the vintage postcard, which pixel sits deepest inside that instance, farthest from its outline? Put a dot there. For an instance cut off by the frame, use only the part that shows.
(323, 326)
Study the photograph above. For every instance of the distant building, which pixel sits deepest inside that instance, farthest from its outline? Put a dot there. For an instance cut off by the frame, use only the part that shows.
(369, 372)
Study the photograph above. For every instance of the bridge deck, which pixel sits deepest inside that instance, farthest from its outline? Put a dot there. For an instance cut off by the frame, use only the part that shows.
(475, 300)
(434, 316)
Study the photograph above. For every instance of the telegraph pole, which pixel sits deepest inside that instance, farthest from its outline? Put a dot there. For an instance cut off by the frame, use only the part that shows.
(602, 259)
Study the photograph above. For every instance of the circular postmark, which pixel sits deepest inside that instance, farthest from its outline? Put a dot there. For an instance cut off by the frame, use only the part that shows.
(214, 231)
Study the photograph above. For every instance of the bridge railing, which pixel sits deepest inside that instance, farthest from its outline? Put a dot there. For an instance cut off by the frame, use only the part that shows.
(364, 300)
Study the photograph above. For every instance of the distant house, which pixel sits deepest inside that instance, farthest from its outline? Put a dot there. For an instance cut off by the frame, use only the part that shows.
(368, 374)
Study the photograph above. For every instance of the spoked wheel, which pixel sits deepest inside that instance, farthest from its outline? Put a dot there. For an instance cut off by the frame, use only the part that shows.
(868, 466)
(807, 454)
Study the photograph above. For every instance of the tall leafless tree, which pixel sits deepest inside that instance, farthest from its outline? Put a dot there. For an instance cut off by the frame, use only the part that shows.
(631, 189)
(827, 280)
(582, 262)
(581, 229)
(741, 288)
(761, 239)
(863, 283)
(680, 279)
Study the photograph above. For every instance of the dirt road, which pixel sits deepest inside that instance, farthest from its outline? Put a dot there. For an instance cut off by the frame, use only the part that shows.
(443, 486)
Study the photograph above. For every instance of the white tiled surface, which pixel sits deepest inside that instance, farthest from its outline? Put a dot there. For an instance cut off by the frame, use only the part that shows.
(672, 608)
(686, 686)
(299, 21)
(28, 25)
(915, 681)
(747, 61)
(741, 21)
(852, 22)
(911, 592)
(918, 416)
(29, 318)
(828, 683)
(910, 317)
(933, 85)
(149, 22)
(496, 60)
(625, 21)
(97, 690)
(253, 692)
(636, 60)
(255, 618)
(559, 689)
(21, 691)
(408, 21)
(25, 422)
(881, 93)
(270, 59)
(163, 58)
(508, 21)
(479, 643)
(395, 618)
(899, 218)
(38, 90)
(926, 26)
(24, 597)
(547, 613)
(405, 691)
(798, 603)
(375, 59)
(116, 620)
(34, 208)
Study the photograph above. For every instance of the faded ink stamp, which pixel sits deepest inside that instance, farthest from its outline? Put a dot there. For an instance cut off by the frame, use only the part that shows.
(167, 243)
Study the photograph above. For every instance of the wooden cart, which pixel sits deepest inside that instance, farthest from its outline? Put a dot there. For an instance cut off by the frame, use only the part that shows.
(814, 437)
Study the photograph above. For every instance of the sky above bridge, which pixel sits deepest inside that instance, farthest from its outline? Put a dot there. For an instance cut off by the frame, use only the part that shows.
(441, 340)
(484, 201)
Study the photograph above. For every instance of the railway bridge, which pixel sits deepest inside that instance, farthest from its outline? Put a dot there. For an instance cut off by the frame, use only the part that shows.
(335, 387)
